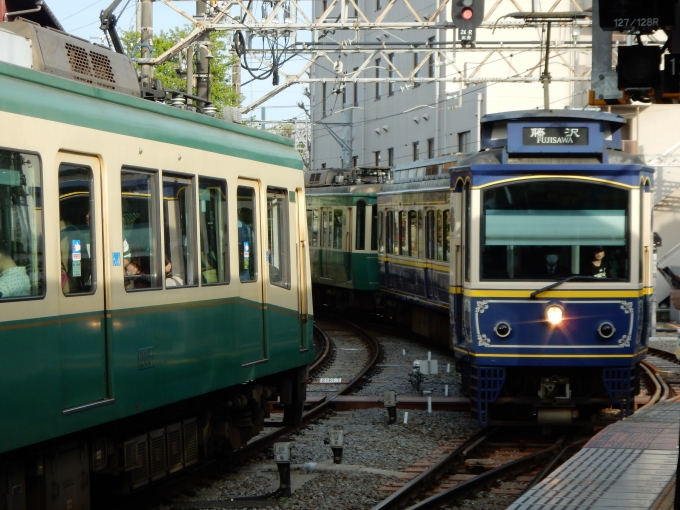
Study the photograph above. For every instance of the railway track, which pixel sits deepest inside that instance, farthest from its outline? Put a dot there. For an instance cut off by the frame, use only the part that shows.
(491, 472)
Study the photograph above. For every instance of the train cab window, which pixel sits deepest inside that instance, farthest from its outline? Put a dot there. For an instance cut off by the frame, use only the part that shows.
(374, 227)
(22, 271)
(447, 235)
(360, 243)
(551, 230)
(403, 233)
(212, 196)
(140, 230)
(389, 231)
(338, 225)
(247, 234)
(412, 234)
(75, 229)
(277, 254)
(178, 225)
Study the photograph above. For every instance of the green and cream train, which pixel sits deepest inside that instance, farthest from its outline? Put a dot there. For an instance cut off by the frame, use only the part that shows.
(154, 282)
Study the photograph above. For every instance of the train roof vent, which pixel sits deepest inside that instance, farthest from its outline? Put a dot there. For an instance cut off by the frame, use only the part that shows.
(63, 55)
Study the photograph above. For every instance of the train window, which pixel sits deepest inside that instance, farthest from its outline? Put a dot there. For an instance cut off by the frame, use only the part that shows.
(381, 233)
(467, 208)
(338, 222)
(440, 236)
(360, 243)
(389, 231)
(403, 233)
(447, 235)
(429, 235)
(212, 196)
(412, 234)
(22, 271)
(140, 230)
(550, 230)
(314, 237)
(326, 225)
(374, 227)
(247, 234)
(75, 231)
(277, 237)
(178, 225)
(421, 236)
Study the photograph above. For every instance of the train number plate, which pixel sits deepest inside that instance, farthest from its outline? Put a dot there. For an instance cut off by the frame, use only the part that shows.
(330, 380)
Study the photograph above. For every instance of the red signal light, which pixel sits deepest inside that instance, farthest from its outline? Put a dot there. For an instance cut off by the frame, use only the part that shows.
(466, 14)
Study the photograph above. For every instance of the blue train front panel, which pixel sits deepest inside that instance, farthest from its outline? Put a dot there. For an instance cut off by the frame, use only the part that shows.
(551, 300)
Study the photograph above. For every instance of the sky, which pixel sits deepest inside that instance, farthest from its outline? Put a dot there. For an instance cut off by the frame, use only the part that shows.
(81, 18)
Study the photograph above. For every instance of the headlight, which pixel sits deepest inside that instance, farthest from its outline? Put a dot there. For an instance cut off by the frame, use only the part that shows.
(554, 315)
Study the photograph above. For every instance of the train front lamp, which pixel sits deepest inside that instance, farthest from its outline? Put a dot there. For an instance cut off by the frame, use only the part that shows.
(554, 314)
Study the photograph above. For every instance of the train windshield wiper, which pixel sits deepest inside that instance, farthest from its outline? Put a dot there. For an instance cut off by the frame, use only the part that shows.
(570, 279)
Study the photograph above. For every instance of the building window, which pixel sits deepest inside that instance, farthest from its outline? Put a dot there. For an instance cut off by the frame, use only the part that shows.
(378, 5)
(416, 63)
(390, 74)
(356, 89)
(430, 148)
(355, 161)
(390, 156)
(376, 158)
(464, 141)
(323, 100)
(416, 151)
(430, 60)
(378, 76)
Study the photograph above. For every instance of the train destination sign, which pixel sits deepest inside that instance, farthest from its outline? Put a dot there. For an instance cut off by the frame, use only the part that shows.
(555, 136)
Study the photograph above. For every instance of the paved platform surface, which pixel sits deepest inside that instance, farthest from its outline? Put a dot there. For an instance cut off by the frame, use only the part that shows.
(630, 465)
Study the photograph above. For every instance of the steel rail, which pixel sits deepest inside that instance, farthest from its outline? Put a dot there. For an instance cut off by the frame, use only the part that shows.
(323, 353)
(657, 392)
(460, 490)
(313, 414)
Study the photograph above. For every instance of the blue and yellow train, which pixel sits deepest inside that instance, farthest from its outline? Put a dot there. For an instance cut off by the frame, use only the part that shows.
(155, 291)
(544, 242)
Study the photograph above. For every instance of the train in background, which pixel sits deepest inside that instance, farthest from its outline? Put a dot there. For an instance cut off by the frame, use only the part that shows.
(154, 279)
(535, 253)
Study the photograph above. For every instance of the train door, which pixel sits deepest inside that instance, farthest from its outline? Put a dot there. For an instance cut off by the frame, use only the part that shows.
(82, 296)
(301, 254)
(251, 303)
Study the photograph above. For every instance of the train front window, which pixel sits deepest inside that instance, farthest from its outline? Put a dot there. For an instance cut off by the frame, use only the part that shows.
(551, 230)
(22, 270)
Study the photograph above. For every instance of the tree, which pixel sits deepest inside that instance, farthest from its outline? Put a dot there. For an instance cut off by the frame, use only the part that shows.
(221, 91)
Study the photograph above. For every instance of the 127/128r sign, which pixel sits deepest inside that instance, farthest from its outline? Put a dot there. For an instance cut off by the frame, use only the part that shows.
(644, 16)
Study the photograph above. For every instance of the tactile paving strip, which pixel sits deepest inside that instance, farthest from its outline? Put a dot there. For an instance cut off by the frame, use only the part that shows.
(637, 436)
(603, 478)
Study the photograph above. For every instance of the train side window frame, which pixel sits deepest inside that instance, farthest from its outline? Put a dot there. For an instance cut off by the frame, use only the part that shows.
(403, 233)
(360, 232)
(374, 227)
(429, 234)
(278, 247)
(154, 218)
(412, 234)
(381, 232)
(76, 240)
(389, 232)
(447, 235)
(36, 274)
(221, 275)
(440, 235)
(337, 229)
(188, 240)
(467, 223)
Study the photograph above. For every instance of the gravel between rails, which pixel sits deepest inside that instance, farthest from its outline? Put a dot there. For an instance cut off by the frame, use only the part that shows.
(374, 453)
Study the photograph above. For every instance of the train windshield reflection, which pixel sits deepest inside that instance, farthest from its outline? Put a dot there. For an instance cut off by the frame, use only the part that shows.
(551, 230)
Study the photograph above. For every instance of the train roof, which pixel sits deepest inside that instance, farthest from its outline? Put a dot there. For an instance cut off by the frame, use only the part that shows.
(554, 115)
(27, 92)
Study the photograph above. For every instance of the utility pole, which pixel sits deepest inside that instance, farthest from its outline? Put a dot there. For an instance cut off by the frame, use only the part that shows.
(147, 42)
(203, 61)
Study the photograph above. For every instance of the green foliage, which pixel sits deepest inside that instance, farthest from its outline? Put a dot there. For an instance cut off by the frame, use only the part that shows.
(222, 93)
